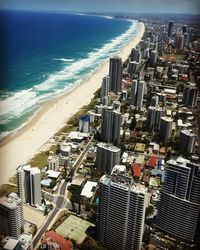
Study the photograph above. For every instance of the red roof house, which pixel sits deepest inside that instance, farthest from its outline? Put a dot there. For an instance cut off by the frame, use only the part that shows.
(152, 162)
(136, 169)
(56, 241)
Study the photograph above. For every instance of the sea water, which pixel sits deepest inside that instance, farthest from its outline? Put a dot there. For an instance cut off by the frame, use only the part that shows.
(44, 55)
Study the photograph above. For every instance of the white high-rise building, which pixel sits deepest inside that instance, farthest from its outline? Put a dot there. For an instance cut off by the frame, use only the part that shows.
(105, 90)
(165, 128)
(11, 215)
(107, 157)
(121, 213)
(29, 186)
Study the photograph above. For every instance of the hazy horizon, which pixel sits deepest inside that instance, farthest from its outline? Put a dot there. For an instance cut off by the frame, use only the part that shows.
(110, 6)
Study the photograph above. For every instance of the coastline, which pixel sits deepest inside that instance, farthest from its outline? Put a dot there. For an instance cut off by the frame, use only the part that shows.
(18, 148)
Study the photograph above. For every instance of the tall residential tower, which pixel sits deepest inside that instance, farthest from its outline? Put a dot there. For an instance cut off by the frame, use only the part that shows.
(121, 213)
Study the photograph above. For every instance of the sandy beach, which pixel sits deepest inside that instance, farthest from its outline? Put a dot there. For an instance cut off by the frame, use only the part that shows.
(18, 148)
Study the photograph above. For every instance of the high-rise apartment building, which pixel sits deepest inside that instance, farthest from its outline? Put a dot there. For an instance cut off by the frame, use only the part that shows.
(111, 125)
(165, 128)
(136, 55)
(107, 157)
(170, 29)
(190, 95)
(187, 141)
(115, 74)
(140, 94)
(179, 205)
(121, 213)
(154, 116)
(105, 90)
(29, 186)
(153, 57)
(11, 215)
(84, 124)
(179, 42)
(137, 94)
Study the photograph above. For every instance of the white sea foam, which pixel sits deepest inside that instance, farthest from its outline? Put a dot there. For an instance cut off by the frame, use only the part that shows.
(64, 59)
(57, 83)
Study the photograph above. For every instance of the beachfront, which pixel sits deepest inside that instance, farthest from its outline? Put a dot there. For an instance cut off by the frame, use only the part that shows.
(20, 147)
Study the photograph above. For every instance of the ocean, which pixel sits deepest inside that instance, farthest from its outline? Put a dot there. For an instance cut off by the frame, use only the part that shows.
(44, 55)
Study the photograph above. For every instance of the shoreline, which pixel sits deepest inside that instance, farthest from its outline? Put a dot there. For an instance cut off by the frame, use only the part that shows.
(17, 148)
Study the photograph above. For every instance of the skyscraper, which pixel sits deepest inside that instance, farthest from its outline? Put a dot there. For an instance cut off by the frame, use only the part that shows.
(179, 205)
(104, 90)
(187, 141)
(84, 124)
(29, 187)
(121, 213)
(154, 116)
(170, 29)
(165, 128)
(179, 42)
(137, 94)
(107, 157)
(133, 92)
(190, 94)
(140, 94)
(115, 74)
(111, 125)
(184, 29)
(153, 57)
(136, 55)
(11, 215)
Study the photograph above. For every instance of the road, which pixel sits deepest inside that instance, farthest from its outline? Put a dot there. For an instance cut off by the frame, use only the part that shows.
(59, 200)
(44, 227)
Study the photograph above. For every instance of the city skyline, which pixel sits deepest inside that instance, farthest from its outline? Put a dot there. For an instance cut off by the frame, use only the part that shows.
(128, 6)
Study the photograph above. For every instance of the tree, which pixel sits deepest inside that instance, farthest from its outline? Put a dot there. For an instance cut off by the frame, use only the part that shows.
(88, 244)
(133, 123)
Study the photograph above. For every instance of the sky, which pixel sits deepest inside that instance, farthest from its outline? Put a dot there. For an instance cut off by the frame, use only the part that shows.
(131, 6)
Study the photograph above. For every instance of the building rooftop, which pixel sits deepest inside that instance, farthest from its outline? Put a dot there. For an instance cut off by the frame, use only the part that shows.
(61, 241)
(188, 132)
(53, 174)
(11, 201)
(9, 243)
(87, 190)
(119, 169)
(139, 147)
(108, 146)
(123, 182)
(136, 168)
